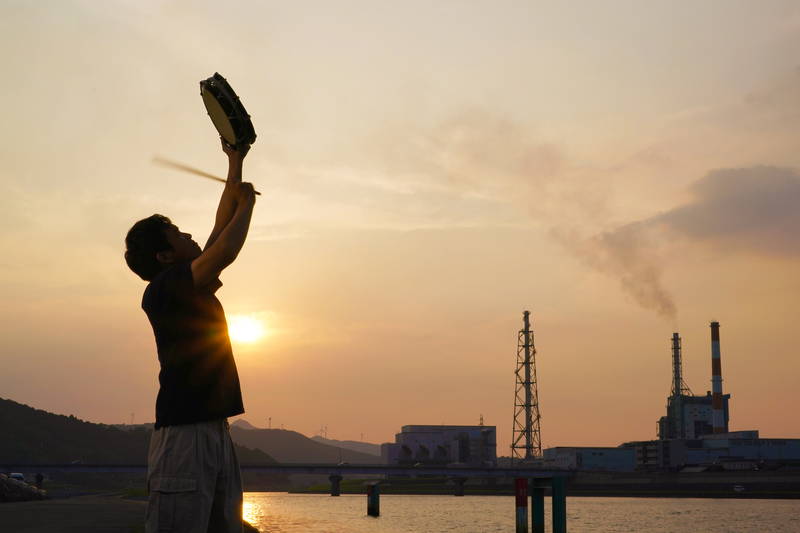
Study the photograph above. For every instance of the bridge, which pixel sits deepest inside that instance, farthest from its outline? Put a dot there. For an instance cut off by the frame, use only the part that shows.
(313, 468)
(458, 474)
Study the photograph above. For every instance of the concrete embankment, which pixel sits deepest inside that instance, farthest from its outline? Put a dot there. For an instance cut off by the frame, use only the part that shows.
(743, 484)
(748, 484)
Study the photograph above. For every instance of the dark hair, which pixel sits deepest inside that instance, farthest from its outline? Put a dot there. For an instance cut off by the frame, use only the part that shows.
(144, 240)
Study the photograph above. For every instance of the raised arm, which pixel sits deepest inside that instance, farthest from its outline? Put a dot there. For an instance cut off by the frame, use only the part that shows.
(225, 248)
(227, 203)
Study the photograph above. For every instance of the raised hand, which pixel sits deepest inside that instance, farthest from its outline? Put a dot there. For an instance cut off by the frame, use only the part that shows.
(245, 193)
(232, 152)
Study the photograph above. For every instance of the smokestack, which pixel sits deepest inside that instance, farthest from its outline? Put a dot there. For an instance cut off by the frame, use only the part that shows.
(677, 388)
(718, 417)
(677, 378)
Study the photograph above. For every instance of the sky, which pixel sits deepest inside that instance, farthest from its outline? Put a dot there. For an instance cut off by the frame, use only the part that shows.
(428, 171)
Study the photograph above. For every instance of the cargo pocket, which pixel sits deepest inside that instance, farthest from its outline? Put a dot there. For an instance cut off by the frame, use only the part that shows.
(173, 504)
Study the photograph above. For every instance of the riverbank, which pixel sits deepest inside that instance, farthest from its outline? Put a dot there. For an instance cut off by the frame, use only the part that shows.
(13, 490)
(742, 485)
(109, 513)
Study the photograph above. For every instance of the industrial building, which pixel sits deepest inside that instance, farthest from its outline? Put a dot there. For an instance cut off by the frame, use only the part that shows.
(689, 416)
(439, 445)
(737, 450)
(693, 435)
(608, 459)
(695, 431)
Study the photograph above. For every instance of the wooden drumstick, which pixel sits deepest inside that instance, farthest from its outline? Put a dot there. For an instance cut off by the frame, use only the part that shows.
(158, 160)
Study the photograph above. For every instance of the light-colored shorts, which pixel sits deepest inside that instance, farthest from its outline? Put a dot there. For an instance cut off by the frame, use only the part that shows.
(194, 480)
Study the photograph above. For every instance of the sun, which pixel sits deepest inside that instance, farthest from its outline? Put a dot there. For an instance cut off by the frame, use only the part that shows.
(245, 329)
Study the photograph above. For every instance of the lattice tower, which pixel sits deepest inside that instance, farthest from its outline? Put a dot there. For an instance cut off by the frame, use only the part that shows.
(679, 386)
(526, 441)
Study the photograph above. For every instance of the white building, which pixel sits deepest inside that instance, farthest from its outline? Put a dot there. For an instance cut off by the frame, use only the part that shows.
(469, 445)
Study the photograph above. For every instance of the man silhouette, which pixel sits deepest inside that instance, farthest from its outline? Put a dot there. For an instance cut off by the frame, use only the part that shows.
(193, 473)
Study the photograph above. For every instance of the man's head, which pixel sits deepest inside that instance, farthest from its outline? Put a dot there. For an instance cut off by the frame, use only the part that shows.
(154, 243)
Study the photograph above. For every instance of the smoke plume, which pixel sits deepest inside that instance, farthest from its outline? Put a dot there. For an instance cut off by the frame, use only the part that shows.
(627, 253)
(747, 210)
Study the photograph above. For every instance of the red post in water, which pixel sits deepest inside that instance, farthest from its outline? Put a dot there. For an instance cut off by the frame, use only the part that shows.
(521, 492)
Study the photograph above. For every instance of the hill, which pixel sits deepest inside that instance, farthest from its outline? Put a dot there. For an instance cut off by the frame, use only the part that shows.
(292, 447)
(355, 445)
(33, 436)
(244, 424)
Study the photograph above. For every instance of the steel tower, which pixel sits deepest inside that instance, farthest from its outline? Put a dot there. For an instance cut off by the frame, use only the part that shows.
(675, 402)
(679, 387)
(526, 442)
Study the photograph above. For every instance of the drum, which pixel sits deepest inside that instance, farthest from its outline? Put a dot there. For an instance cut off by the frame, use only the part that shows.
(227, 112)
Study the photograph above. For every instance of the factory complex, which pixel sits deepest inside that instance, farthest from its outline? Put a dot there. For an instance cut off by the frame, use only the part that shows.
(693, 435)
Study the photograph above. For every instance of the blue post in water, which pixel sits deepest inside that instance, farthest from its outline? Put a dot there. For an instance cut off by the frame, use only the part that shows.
(459, 485)
(373, 500)
(559, 485)
(521, 492)
(336, 488)
(537, 506)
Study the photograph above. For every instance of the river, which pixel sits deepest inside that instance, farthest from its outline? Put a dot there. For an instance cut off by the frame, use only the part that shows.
(279, 512)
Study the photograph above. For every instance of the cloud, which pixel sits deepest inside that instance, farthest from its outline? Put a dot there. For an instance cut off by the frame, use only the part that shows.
(747, 209)
(472, 150)
(750, 210)
(474, 168)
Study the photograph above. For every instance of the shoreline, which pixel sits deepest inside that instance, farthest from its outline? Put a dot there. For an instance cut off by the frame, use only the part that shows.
(108, 512)
(727, 485)
(571, 493)
(105, 512)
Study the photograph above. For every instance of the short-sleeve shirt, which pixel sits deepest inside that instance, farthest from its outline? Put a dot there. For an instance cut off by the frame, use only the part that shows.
(198, 378)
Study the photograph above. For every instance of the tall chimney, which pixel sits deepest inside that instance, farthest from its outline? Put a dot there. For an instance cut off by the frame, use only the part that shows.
(718, 417)
(677, 388)
(677, 378)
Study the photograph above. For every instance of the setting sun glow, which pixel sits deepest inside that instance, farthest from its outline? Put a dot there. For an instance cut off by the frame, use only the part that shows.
(245, 329)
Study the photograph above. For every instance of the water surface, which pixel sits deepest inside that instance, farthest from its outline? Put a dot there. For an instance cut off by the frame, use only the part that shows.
(278, 512)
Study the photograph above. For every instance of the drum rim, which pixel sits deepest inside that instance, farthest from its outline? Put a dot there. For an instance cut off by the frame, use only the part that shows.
(238, 117)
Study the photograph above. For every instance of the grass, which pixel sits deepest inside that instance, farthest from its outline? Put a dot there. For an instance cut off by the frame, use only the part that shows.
(135, 493)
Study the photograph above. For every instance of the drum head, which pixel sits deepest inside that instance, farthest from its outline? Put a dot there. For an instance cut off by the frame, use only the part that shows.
(227, 112)
(219, 117)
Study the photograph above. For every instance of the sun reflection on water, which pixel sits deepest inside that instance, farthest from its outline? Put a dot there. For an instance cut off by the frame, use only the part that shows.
(251, 512)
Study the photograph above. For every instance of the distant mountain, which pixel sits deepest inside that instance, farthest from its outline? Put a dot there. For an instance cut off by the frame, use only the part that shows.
(292, 447)
(130, 427)
(358, 446)
(31, 436)
(244, 424)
